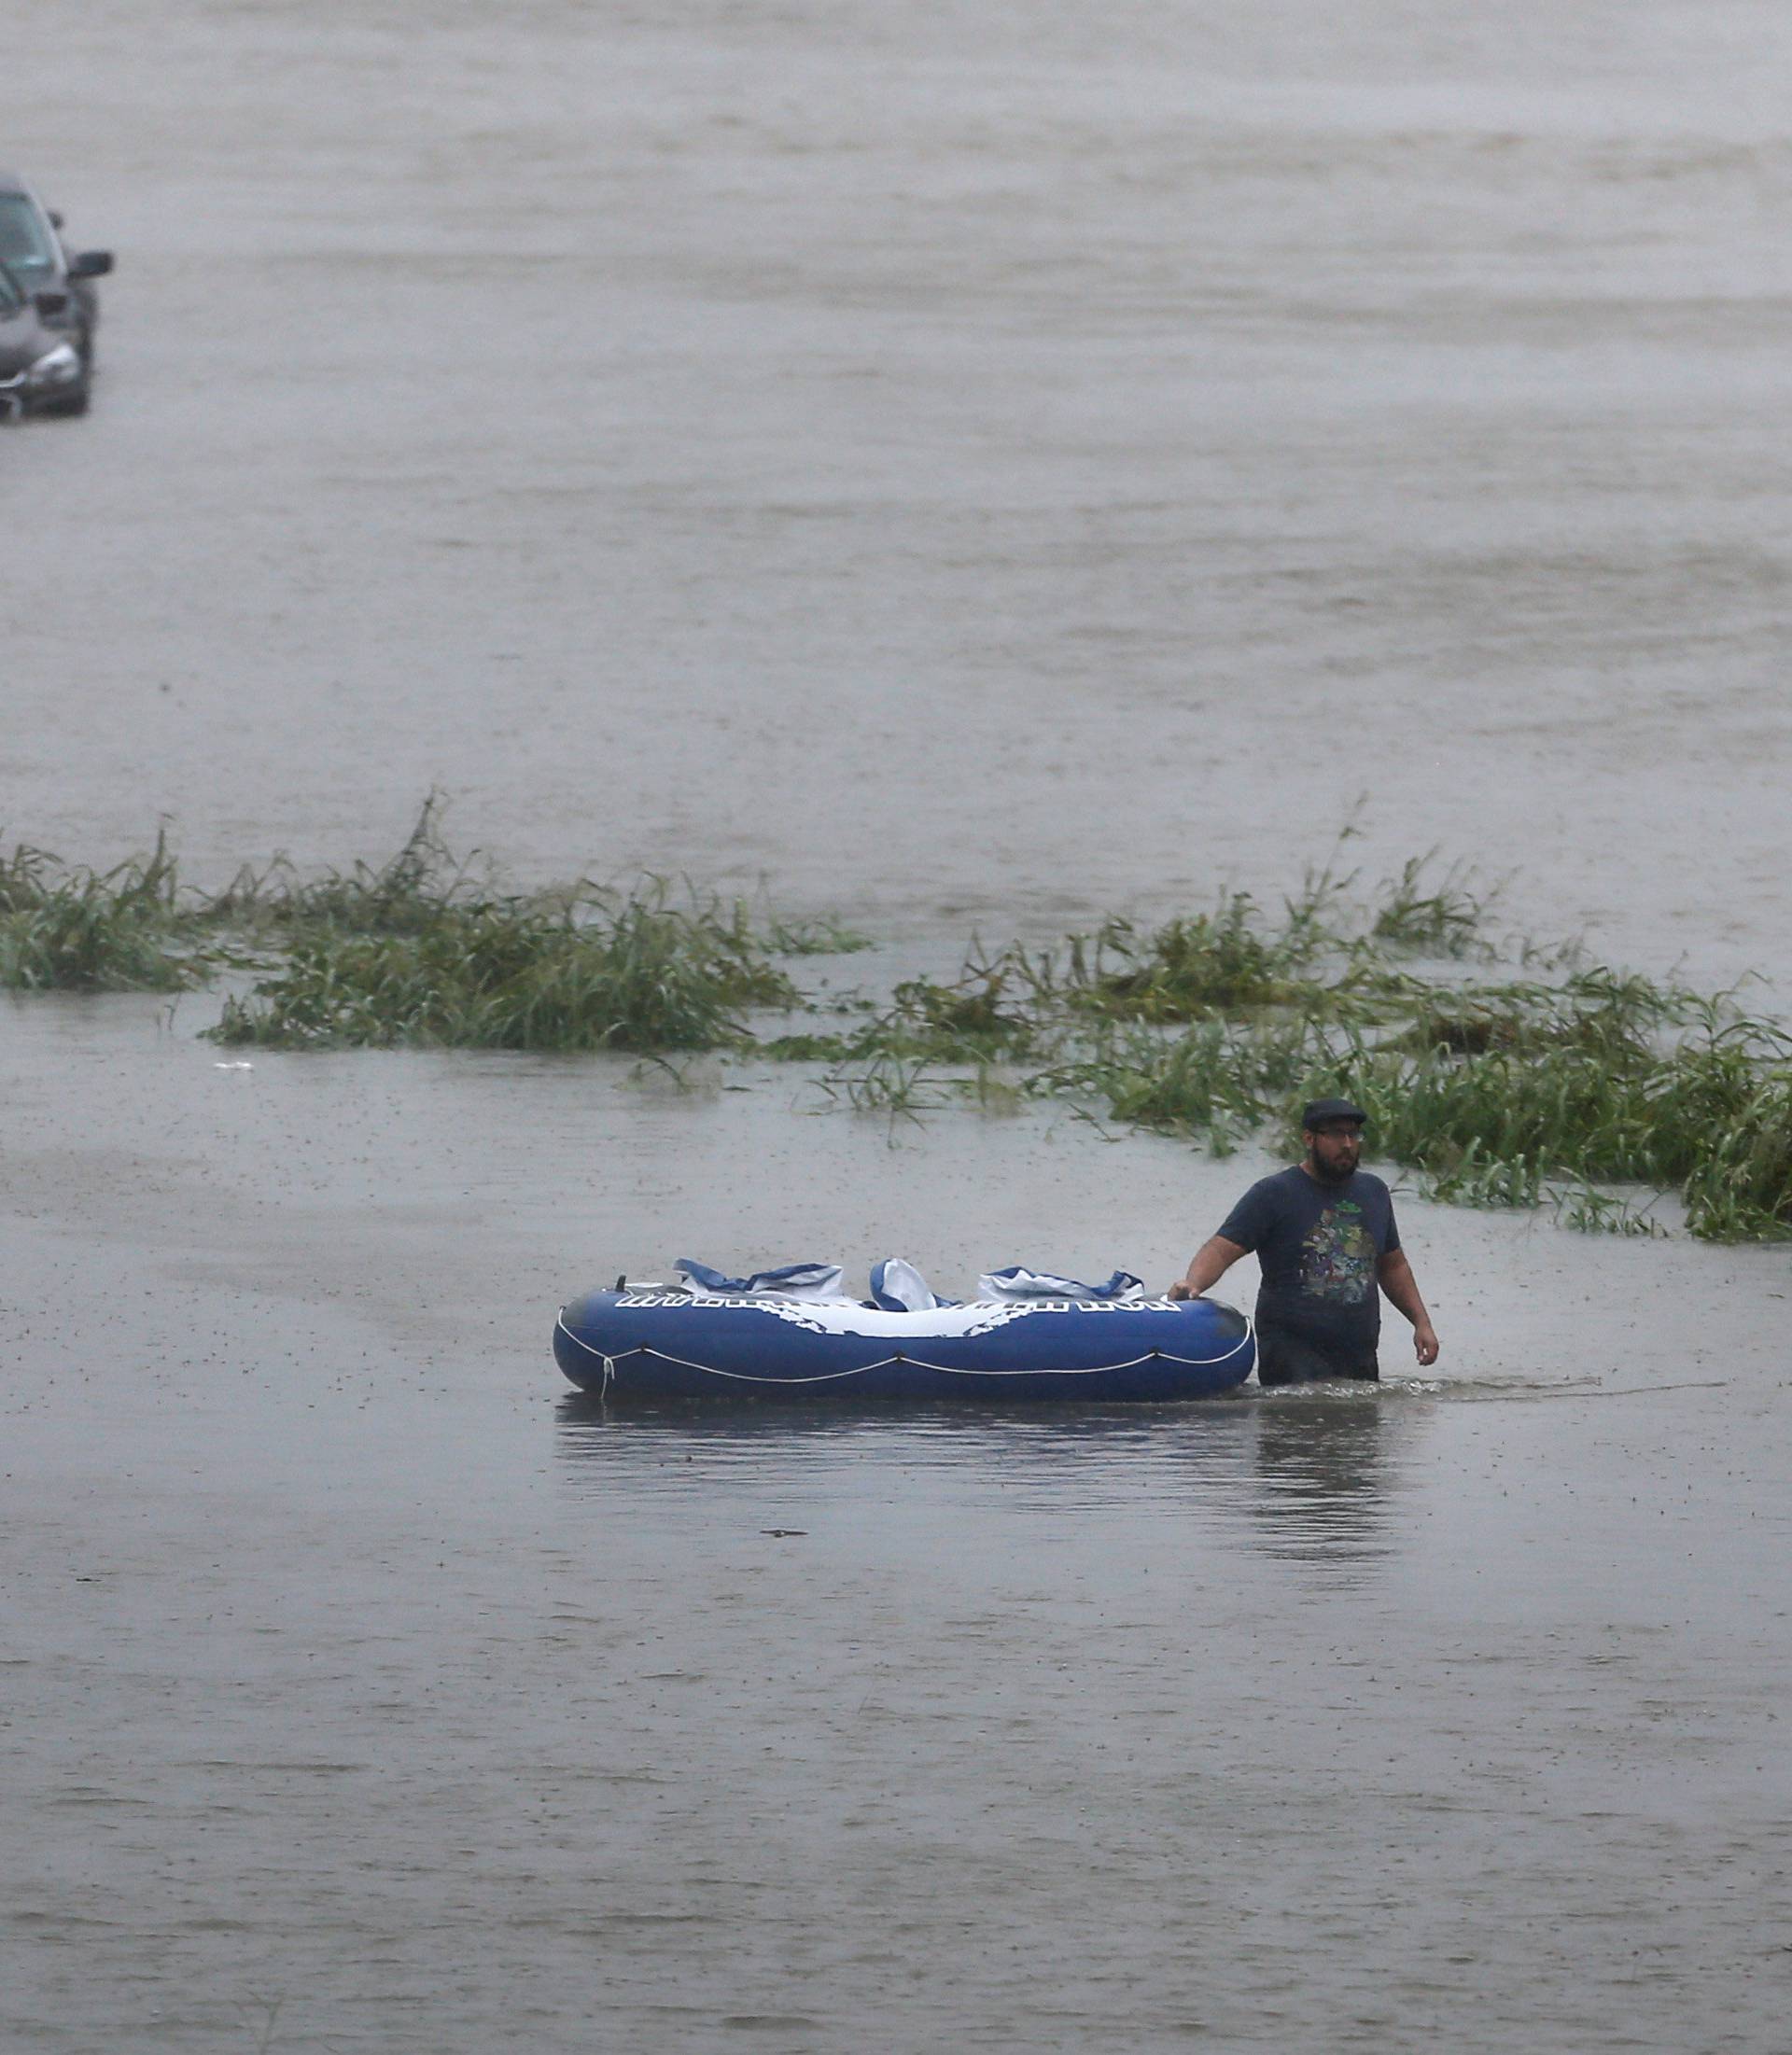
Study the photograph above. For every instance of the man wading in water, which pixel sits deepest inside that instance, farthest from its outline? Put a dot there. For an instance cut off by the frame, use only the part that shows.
(1323, 1232)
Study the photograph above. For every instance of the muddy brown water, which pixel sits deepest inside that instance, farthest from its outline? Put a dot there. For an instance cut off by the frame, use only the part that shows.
(965, 468)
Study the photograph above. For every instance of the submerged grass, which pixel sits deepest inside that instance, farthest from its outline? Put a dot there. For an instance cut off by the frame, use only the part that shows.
(427, 951)
(1592, 1093)
(423, 949)
(1442, 918)
(638, 974)
(1501, 1093)
(820, 937)
(73, 929)
(974, 1020)
(408, 895)
(1209, 963)
(1547, 1087)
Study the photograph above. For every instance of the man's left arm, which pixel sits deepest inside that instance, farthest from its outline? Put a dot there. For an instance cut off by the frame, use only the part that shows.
(1394, 1275)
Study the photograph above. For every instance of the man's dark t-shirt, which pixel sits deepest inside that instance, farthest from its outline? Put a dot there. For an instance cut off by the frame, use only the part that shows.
(1318, 1246)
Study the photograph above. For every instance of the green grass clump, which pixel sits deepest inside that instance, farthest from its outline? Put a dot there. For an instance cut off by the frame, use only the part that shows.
(1520, 1079)
(412, 893)
(1238, 960)
(1592, 1211)
(1219, 1080)
(637, 975)
(1499, 1095)
(1496, 1182)
(1190, 968)
(1514, 1091)
(1740, 1188)
(818, 937)
(422, 948)
(1442, 919)
(1708, 1117)
(425, 950)
(974, 1020)
(73, 929)
(24, 876)
(802, 1048)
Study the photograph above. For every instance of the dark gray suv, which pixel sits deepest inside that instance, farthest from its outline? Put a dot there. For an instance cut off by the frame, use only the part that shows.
(57, 285)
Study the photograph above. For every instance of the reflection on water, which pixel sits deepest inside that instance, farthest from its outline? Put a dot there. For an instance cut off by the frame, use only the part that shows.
(1313, 1476)
(1325, 1472)
(1068, 1456)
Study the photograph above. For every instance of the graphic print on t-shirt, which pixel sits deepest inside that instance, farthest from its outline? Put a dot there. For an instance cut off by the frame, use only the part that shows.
(1338, 1258)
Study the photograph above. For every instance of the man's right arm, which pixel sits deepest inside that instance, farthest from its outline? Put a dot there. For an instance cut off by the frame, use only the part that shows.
(1212, 1259)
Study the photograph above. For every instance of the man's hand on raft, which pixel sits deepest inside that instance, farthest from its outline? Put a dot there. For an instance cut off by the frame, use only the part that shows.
(1180, 1291)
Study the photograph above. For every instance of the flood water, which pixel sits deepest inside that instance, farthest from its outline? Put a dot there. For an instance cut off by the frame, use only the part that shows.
(963, 468)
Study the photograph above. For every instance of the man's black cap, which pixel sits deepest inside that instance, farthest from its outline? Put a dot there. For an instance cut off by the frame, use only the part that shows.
(1321, 1112)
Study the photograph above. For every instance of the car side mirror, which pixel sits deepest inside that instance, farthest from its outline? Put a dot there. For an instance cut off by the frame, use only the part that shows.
(55, 219)
(91, 264)
(50, 302)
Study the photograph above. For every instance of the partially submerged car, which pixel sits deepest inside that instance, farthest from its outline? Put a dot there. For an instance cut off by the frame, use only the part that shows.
(54, 291)
(40, 369)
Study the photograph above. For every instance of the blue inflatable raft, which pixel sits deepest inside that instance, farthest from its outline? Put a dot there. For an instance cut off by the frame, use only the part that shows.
(654, 1343)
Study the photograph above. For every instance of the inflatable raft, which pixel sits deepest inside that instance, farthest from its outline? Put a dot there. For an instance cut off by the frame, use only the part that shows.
(658, 1343)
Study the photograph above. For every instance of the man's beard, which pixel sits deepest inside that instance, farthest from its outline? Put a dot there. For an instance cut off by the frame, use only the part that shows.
(1332, 1173)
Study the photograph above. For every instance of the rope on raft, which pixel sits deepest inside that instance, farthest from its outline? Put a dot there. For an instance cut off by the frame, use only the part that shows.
(920, 1362)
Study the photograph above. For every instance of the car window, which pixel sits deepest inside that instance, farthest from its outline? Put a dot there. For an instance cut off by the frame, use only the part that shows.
(24, 246)
(11, 299)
